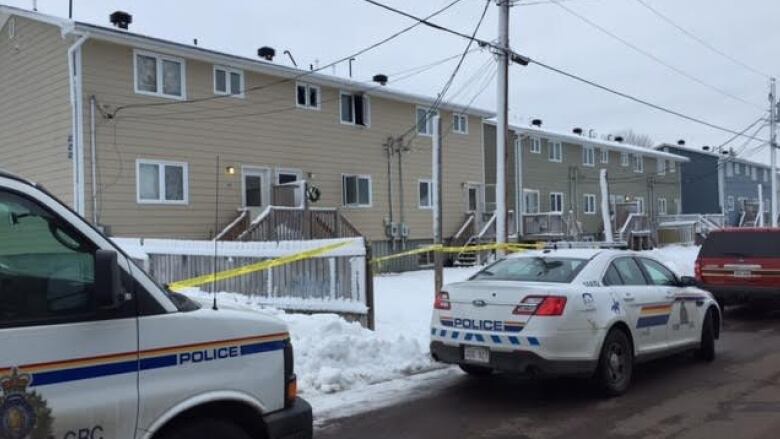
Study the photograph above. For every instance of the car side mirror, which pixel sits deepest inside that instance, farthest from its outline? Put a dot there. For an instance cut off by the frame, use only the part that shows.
(108, 287)
(688, 281)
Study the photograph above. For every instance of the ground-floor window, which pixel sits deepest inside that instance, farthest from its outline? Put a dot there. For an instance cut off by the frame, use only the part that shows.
(590, 204)
(662, 208)
(531, 201)
(556, 202)
(161, 182)
(356, 190)
(640, 205)
(425, 194)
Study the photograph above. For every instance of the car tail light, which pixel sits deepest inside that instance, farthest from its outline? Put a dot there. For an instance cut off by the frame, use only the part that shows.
(442, 300)
(541, 306)
(697, 269)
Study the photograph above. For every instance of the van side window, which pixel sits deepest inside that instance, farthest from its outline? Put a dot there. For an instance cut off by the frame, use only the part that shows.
(629, 271)
(612, 277)
(47, 269)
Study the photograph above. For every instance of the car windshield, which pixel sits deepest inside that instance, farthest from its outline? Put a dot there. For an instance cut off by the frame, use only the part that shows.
(533, 269)
(757, 244)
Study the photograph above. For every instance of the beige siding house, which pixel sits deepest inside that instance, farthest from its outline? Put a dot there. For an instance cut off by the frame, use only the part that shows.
(157, 114)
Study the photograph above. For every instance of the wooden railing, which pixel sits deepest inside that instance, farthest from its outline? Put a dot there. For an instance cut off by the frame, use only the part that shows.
(635, 223)
(235, 228)
(285, 223)
(544, 224)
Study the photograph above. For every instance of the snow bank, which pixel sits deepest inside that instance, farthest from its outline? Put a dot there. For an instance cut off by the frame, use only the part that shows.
(680, 258)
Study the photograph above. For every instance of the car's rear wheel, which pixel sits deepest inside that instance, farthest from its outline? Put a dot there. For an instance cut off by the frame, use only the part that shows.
(477, 371)
(616, 364)
(706, 351)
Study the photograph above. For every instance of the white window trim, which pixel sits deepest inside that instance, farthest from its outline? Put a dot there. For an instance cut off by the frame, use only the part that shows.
(588, 152)
(604, 156)
(429, 182)
(672, 166)
(640, 203)
(661, 166)
(465, 119)
(370, 192)
(729, 169)
(639, 164)
(161, 181)
(278, 171)
(595, 203)
(536, 145)
(737, 169)
(366, 109)
(428, 121)
(228, 71)
(662, 202)
(538, 200)
(160, 57)
(549, 197)
(308, 105)
(625, 159)
(766, 176)
(730, 203)
(754, 173)
(551, 157)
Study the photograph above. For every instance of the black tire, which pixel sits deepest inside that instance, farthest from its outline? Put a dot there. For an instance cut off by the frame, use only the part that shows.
(706, 351)
(616, 364)
(476, 371)
(206, 429)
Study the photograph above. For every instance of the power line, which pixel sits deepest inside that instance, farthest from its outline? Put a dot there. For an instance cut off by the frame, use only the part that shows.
(650, 55)
(701, 41)
(295, 77)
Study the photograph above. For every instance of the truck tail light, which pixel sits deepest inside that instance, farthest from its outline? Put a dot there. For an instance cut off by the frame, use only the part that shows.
(697, 269)
(442, 300)
(541, 306)
(290, 380)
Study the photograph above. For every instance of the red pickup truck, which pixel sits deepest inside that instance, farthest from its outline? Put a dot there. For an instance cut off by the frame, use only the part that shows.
(740, 265)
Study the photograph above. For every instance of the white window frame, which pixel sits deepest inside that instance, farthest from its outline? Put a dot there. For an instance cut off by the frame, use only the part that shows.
(729, 169)
(590, 204)
(660, 165)
(604, 156)
(344, 192)
(640, 203)
(625, 159)
(161, 164)
(289, 171)
(462, 127)
(159, 63)
(737, 169)
(662, 206)
(639, 163)
(228, 71)
(754, 173)
(536, 145)
(672, 166)
(429, 183)
(588, 156)
(366, 109)
(549, 199)
(308, 105)
(555, 146)
(538, 201)
(428, 122)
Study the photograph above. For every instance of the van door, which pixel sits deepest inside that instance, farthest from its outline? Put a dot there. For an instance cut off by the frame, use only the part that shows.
(68, 368)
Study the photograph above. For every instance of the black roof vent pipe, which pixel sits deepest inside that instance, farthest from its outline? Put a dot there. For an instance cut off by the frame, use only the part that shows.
(681, 142)
(121, 19)
(619, 139)
(706, 147)
(380, 78)
(267, 53)
(577, 131)
(537, 123)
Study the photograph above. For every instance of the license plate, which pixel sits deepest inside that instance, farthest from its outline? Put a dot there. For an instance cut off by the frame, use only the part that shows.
(476, 354)
(742, 273)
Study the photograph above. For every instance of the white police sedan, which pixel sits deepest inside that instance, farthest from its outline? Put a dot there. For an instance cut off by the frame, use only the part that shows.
(588, 312)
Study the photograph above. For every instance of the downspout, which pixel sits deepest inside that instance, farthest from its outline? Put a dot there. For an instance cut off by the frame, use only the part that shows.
(93, 159)
(389, 151)
(77, 122)
(519, 195)
(401, 219)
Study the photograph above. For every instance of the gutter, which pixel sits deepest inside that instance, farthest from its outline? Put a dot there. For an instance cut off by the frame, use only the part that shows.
(77, 122)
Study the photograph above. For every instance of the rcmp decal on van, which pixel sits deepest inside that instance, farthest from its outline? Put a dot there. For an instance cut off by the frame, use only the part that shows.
(23, 414)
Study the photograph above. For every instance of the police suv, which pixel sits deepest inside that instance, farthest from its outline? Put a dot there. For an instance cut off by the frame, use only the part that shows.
(92, 348)
(588, 312)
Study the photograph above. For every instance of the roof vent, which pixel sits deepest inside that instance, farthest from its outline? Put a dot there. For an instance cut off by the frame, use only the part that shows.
(267, 53)
(537, 123)
(121, 19)
(619, 139)
(706, 148)
(681, 142)
(725, 152)
(592, 134)
(577, 131)
(381, 79)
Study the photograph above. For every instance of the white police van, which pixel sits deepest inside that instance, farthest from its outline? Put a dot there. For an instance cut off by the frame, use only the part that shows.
(92, 348)
(590, 312)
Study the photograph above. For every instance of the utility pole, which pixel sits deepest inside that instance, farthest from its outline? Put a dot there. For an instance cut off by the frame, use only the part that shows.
(773, 145)
(501, 121)
(437, 204)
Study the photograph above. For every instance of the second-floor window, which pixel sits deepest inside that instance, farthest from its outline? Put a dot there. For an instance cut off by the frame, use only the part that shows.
(766, 175)
(536, 145)
(460, 123)
(588, 156)
(662, 208)
(590, 204)
(228, 81)
(556, 152)
(425, 191)
(624, 159)
(159, 75)
(672, 166)
(425, 117)
(737, 169)
(661, 165)
(307, 96)
(639, 163)
(356, 190)
(754, 173)
(604, 156)
(729, 169)
(161, 182)
(355, 109)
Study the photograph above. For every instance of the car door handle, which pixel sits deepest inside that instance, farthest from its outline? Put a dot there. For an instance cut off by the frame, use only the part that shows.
(670, 295)
(628, 297)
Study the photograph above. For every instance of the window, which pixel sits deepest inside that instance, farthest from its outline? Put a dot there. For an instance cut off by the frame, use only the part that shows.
(658, 274)
(533, 269)
(228, 82)
(556, 152)
(47, 269)
(425, 194)
(612, 277)
(662, 208)
(307, 96)
(536, 145)
(766, 175)
(737, 169)
(624, 159)
(425, 120)
(629, 271)
(472, 199)
(531, 201)
(590, 204)
(356, 190)
(754, 173)
(285, 176)
(604, 155)
(639, 163)
(161, 182)
(556, 202)
(588, 156)
(730, 203)
(460, 123)
(729, 169)
(661, 165)
(672, 166)
(640, 205)
(159, 75)
(355, 109)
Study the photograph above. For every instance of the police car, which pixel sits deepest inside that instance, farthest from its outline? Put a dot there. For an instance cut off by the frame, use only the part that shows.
(92, 348)
(588, 312)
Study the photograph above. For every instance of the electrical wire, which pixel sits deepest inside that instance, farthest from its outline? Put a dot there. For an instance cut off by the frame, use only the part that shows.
(651, 56)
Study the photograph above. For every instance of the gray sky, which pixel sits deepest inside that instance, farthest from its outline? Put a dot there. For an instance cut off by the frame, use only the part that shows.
(322, 31)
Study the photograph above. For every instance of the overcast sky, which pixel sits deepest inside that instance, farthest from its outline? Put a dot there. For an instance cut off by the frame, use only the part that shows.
(319, 31)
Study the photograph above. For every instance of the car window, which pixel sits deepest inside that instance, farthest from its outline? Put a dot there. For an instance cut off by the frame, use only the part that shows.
(659, 275)
(742, 244)
(630, 272)
(612, 277)
(533, 269)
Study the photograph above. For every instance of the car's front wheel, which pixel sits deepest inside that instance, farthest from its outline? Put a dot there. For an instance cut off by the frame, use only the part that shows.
(706, 349)
(616, 363)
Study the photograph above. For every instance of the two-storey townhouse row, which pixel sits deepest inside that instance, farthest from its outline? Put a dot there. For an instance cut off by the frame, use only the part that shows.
(559, 174)
(126, 128)
(723, 183)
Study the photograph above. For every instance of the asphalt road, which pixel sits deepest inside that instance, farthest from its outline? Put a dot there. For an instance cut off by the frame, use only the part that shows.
(737, 396)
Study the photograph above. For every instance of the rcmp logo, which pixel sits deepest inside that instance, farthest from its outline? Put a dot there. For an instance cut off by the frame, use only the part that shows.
(23, 414)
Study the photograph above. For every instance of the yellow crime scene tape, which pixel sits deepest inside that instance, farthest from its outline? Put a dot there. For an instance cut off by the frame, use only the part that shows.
(252, 268)
(461, 249)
